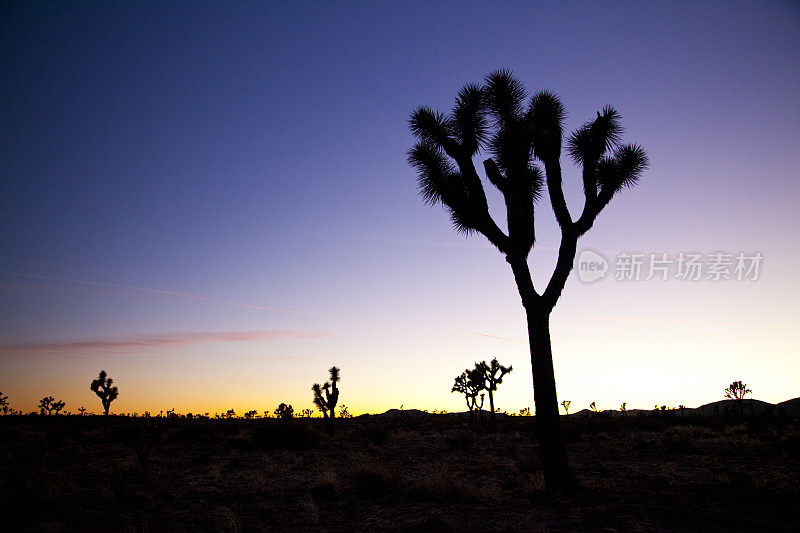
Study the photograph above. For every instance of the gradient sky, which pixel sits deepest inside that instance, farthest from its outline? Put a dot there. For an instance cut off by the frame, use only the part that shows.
(211, 201)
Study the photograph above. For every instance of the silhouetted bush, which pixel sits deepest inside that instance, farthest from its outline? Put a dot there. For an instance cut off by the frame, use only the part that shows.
(286, 436)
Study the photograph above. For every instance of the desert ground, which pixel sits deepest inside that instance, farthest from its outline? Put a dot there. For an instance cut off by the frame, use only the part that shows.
(434, 472)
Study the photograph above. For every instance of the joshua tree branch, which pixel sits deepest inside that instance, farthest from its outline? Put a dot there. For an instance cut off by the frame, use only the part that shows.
(493, 173)
(553, 172)
(566, 256)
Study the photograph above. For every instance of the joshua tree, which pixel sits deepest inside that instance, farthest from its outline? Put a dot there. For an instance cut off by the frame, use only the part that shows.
(102, 387)
(82, 410)
(736, 391)
(249, 415)
(306, 413)
(344, 412)
(492, 375)
(284, 411)
(49, 404)
(565, 404)
(623, 409)
(470, 383)
(327, 404)
(593, 407)
(4, 403)
(521, 137)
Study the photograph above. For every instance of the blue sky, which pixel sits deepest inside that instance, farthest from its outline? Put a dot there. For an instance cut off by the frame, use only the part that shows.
(254, 154)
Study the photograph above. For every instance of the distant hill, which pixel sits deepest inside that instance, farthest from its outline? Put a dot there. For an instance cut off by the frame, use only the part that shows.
(792, 407)
(789, 407)
(403, 413)
(750, 405)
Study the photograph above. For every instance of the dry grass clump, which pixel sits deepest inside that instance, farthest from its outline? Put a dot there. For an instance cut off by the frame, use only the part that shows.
(371, 478)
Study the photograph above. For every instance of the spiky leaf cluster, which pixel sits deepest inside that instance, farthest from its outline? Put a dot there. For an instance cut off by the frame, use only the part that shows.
(520, 134)
(492, 373)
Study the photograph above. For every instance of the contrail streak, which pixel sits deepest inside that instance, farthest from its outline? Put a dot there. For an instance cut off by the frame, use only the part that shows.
(174, 293)
(496, 337)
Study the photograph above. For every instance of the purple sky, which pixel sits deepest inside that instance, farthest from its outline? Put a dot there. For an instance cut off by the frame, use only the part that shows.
(212, 202)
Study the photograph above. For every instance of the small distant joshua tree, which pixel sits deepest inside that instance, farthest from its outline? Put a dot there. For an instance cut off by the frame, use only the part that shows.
(470, 383)
(736, 391)
(306, 413)
(230, 413)
(565, 404)
(82, 410)
(327, 404)
(49, 404)
(102, 387)
(344, 412)
(284, 412)
(526, 411)
(251, 414)
(492, 376)
(4, 404)
(593, 407)
(623, 408)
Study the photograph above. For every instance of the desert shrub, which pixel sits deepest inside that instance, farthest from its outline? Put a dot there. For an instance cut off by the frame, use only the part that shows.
(189, 433)
(682, 440)
(240, 442)
(127, 434)
(286, 436)
(371, 478)
(460, 439)
(324, 485)
(376, 434)
(790, 444)
(442, 486)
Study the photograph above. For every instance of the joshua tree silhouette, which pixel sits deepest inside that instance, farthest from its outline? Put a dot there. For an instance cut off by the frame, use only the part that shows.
(492, 375)
(496, 116)
(102, 387)
(736, 391)
(327, 404)
(49, 404)
(470, 383)
(566, 404)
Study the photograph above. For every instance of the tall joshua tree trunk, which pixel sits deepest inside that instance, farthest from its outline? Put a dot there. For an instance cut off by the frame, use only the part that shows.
(522, 137)
(548, 422)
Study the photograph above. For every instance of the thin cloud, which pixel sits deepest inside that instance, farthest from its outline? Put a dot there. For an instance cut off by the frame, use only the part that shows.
(175, 293)
(160, 341)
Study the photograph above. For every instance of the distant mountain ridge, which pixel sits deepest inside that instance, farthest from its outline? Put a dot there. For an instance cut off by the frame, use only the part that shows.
(788, 407)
